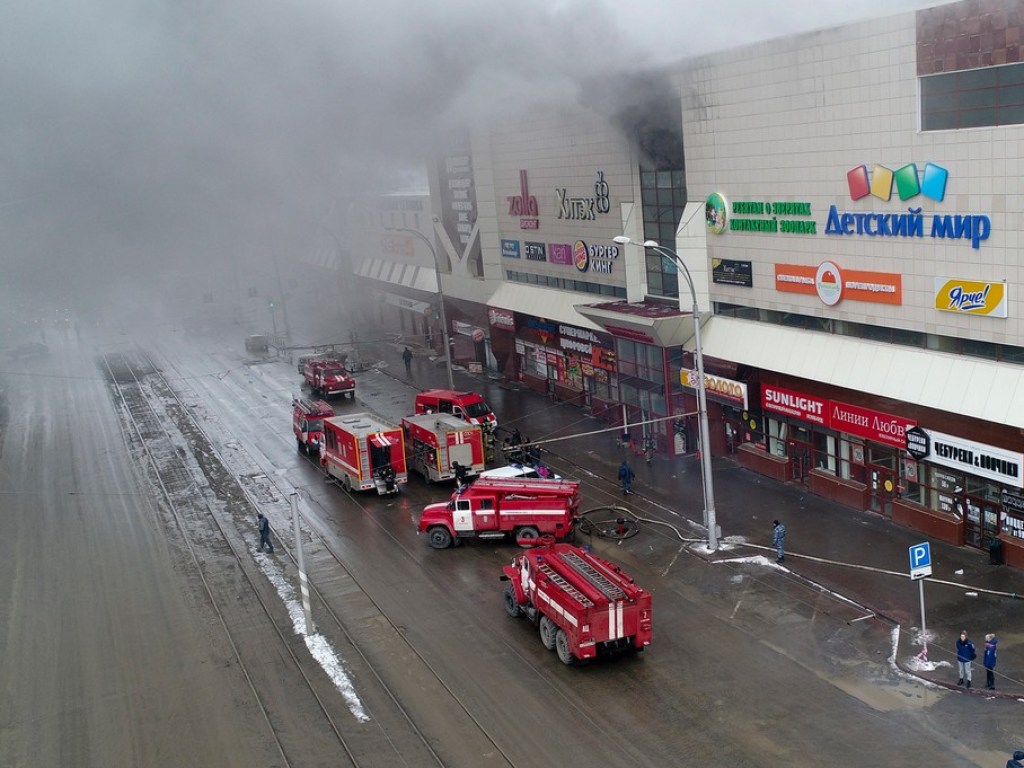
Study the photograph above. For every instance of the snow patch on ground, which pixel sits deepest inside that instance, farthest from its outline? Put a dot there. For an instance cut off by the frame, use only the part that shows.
(752, 559)
(317, 644)
(916, 664)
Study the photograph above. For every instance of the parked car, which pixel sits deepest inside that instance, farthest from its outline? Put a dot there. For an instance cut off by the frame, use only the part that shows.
(257, 344)
(541, 471)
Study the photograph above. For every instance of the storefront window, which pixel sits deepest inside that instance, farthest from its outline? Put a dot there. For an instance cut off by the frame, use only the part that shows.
(573, 373)
(777, 431)
(630, 395)
(945, 489)
(627, 357)
(605, 386)
(655, 363)
(825, 452)
(644, 361)
(657, 404)
(913, 489)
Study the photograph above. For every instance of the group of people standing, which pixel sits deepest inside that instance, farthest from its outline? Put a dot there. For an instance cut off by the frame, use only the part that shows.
(966, 653)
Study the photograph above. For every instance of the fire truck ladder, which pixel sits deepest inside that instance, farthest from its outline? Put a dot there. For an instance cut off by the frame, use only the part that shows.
(564, 585)
(599, 580)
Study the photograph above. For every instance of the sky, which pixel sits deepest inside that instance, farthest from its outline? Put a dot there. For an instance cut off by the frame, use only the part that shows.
(150, 147)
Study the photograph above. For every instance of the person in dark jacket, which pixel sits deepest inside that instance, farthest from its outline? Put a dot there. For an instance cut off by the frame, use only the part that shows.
(779, 540)
(989, 661)
(264, 526)
(461, 473)
(407, 359)
(965, 654)
(1016, 760)
(626, 475)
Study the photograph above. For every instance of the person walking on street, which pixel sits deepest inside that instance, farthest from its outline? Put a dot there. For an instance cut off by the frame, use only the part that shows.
(965, 654)
(989, 661)
(407, 359)
(264, 526)
(626, 476)
(779, 540)
(1017, 761)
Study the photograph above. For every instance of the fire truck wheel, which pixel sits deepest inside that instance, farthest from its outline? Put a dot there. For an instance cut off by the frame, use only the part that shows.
(562, 646)
(301, 446)
(511, 606)
(440, 538)
(527, 535)
(346, 484)
(548, 632)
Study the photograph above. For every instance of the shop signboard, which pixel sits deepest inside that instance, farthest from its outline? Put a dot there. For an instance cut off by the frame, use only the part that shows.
(796, 404)
(855, 420)
(501, 318)
(832, 284)
(996, 464)
(872, 425)
(971, 297)
(560, 253)
(724, 389)
(731, 272)
(534, 251)
(918, 444)
(457, 190)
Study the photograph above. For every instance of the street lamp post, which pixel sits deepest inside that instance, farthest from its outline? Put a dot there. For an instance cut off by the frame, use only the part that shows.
(702, 403)
(440, 296)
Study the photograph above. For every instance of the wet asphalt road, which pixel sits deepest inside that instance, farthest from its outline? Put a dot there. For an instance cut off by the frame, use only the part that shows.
(112, 654)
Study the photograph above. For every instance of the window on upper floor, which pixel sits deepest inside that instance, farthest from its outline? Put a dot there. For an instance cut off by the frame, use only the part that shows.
(973, 98)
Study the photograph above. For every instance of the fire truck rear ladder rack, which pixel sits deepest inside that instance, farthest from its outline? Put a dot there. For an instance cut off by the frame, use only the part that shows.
(599, 580)
(565, 586)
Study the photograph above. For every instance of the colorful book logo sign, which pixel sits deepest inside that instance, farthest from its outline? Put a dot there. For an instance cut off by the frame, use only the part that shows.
(909, 183)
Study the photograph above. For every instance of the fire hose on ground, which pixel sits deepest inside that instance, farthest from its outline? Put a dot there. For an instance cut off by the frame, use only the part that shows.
(608, 522)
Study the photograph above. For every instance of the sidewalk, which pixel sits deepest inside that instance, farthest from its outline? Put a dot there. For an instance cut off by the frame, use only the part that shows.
(860, 555)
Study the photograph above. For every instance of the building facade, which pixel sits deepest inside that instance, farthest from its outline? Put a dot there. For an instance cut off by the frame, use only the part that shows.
(863, 203)
(847, 205)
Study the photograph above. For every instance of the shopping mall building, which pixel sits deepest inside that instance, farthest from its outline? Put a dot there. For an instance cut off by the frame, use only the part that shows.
(847, 204)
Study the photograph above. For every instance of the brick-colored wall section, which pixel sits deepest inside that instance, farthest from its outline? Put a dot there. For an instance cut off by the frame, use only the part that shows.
(935, 525)
(762, 462)
(848, 492)
(968, 35)
(1013, 550)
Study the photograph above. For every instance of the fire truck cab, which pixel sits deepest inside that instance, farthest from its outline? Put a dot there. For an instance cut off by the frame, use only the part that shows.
(583, 606)
(364, 452)
(328, 377)
(468, 406)
(492, 508)
(434, 443)
(308, 424)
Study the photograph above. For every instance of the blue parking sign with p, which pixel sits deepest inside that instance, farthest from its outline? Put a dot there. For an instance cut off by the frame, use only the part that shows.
(920, 561)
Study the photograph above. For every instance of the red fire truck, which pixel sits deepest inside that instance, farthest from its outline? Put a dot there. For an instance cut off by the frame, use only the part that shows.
(492, 508)
(363, 452)
(328, 377)
(468, 406)
(584, 606)
(435, 442)
(308, 424)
